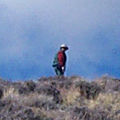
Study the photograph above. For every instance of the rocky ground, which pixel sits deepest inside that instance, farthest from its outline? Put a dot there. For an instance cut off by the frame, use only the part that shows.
(65, 98)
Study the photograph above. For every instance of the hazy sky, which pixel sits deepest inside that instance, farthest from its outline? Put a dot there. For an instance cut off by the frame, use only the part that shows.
(31, 32)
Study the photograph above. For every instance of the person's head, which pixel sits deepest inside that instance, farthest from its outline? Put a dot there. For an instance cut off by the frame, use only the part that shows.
(63, 47)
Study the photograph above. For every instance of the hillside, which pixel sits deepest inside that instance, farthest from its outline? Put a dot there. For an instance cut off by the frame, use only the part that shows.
(65, 98)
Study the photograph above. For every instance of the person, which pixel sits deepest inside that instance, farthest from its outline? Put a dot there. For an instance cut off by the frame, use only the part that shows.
(59, 62)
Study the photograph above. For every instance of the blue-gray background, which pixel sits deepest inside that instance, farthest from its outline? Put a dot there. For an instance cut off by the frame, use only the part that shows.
(31, 32)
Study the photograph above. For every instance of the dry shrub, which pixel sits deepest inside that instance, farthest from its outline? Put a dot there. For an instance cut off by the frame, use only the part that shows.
(83, 113)
(70, 96)
(58, 97)
(32, 98)
(107, 101)
(10, 92)
(88, 90)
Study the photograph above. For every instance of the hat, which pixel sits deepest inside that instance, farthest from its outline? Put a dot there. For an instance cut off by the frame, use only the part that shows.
(64, 46)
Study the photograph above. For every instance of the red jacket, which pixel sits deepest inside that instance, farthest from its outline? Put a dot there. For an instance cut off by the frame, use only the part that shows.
(61, 58)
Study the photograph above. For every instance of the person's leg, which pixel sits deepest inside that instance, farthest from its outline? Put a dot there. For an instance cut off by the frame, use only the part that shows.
(61, 72)
(58, 71)
(55, 68)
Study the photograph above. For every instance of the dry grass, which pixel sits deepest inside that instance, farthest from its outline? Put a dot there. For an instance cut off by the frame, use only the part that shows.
(70, 96)
(106, 100)
(32, 98)
(10, 92)
(41, 103)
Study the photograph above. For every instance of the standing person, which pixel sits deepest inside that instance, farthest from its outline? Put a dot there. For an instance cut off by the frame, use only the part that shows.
(60, 59)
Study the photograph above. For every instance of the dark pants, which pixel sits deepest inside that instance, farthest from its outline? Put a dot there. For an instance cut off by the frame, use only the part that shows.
(58, 71)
